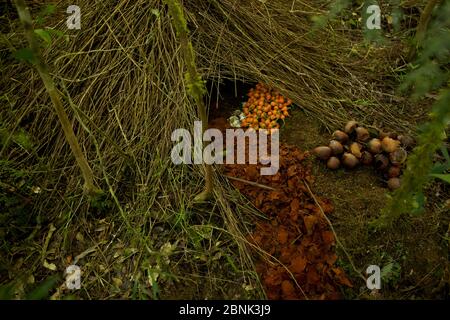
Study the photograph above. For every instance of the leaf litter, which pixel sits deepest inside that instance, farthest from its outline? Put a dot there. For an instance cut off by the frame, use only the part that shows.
(295, 233)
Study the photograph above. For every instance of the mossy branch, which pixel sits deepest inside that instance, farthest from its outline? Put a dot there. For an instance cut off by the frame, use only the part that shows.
(195, 84)
(38, 62)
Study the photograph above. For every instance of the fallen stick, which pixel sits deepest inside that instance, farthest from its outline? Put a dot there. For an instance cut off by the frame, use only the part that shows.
(255, 184)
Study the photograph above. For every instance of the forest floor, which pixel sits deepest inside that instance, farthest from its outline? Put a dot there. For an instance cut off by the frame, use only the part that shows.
(412, 255)
(311, 222)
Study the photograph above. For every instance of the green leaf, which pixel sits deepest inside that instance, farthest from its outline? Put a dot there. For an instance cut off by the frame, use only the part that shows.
(58, 34)
(319, 21)
(7, 291)
(23, 139)
(43, 290)
(445, 153)
(439, 168)
(444, 177)
(24, 54)
(48, 10)
(418, 204)
(155, 12)
(44, 34)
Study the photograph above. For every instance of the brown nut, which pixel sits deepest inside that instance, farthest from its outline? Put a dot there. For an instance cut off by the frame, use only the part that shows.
(362, 134)
(336, 147)
(322, 152)
(394, 171)
(389, 145)
(333, 163)
(406, 141)
(340, 136)
(381, 162)
(349, 160)
(374, 146)
(398, 156)
(366, 158)
(355, 149)
(393, 183)
(350, 126)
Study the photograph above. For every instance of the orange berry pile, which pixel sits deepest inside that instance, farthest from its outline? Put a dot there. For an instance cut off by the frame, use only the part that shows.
(264, 108)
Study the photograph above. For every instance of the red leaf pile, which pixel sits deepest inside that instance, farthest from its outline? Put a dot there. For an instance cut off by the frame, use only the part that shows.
(296, 233)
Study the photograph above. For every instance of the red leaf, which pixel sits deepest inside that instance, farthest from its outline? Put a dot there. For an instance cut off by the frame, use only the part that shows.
(288, 289)
(310, 222)
(282, 236)
(298, 265)
(328, 237)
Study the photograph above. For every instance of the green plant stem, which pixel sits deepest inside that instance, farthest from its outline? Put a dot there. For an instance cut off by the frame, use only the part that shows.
(25, 18)
(424, 20)
(195, 84)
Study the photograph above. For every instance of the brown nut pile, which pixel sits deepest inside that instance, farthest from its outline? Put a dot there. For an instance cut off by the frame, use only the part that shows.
(355, 145)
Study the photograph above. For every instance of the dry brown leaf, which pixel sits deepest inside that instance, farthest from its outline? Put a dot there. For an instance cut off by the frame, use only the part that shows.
(310, 221)
(298, 265)
(282, 236)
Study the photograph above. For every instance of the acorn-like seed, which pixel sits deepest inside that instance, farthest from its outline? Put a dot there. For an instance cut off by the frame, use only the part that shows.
(349, 160)
(340, 136)
(392, 135)
(366, 158)
(355, 149)
(333, 163)
(350, 126)
(381, 162)
(322, 152)
(398, 156)
(362, 134)
(393, 183)
(406, 141)
(389, 145)
(336, 147)
(374, 146)
(383, 135)
(394, 171)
